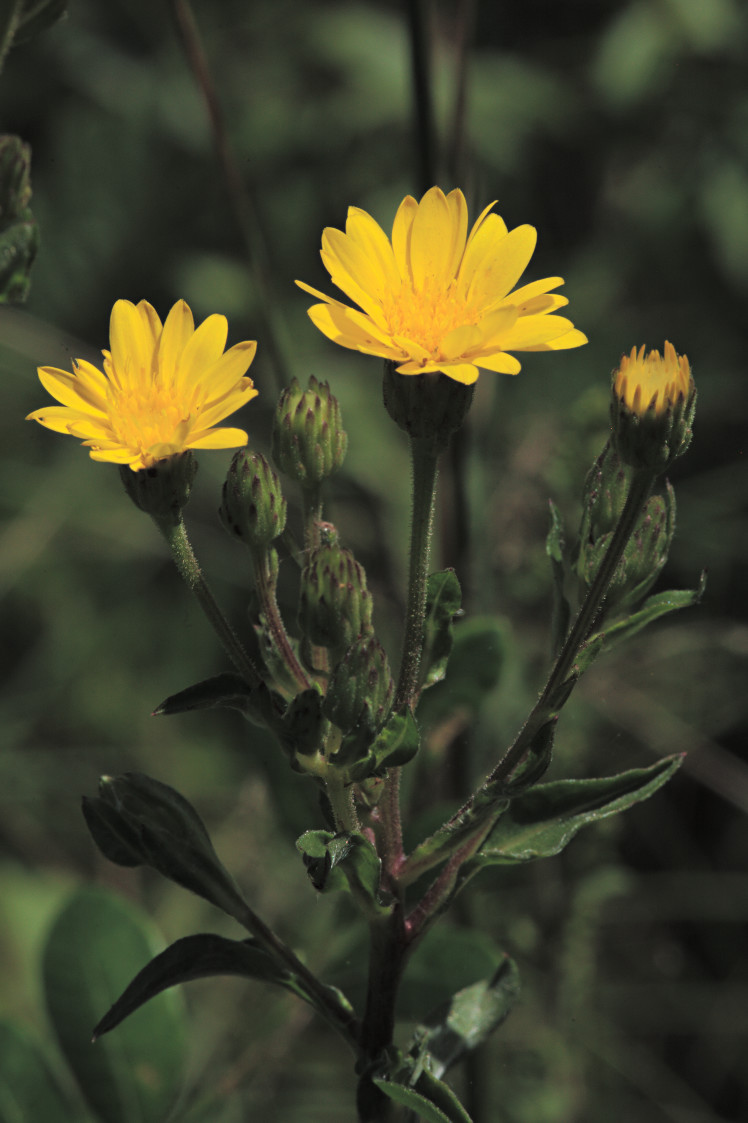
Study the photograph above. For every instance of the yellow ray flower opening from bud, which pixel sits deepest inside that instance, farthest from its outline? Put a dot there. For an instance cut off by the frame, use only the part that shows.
(435, 298)
(653, 381)
(163, 389)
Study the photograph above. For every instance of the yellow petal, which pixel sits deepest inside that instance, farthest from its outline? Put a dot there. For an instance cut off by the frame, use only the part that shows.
(347, 261)
(203, 349)
(459, 217)
(131, 342)
(494, 269)
(495, 326)
(56, 418)
(535, 288)
(70, 391)
(499, 362)
(352, 329)
(370, 236)
(222, 407)
(177, 331)
(401, 229)
(497, 223)
(228, 371)
(573, 338)
(460, 341)
(465, 373)
(431, 238)
(529, 331)
(219, 438)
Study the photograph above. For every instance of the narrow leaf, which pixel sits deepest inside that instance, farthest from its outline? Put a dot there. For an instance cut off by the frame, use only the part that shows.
(258, 704)
(194, 957)
(554, 548)
(542, 821)
(653, 608)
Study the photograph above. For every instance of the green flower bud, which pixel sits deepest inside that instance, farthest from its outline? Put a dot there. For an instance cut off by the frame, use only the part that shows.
(604, 494)
(361, 689)
(163, 489)
(253, 507)
(309, 442)
(652, 409)
(427, 406)
(335, 606)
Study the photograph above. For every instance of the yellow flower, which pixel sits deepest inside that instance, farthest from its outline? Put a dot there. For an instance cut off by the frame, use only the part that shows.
(163, 389)
(434, 298)
(652, 382)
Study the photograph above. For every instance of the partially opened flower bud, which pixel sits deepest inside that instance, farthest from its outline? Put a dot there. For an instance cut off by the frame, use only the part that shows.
(654, 400)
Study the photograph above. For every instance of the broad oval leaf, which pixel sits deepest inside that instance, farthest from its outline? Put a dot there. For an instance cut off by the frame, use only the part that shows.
(29, 1091)
(96, 945)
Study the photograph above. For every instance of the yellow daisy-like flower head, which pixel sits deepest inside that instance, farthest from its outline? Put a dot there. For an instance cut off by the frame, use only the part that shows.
(163, 389)
(652, 408)
(652, 382)
(435, 298)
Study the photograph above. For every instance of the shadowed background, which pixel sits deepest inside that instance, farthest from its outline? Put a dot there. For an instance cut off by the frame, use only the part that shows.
(618, 129)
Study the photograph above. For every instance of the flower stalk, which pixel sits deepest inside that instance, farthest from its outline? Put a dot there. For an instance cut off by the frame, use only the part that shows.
(184, 558)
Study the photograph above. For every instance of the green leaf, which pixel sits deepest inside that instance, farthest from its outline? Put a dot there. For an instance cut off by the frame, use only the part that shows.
(427, 1096)
(443, 603)
(542, 821)
(478, 657)
(470, 1016)
(344, 861)
(96, 945)
(136, 820)
(195, 957)
(396, 743)
(653, 608)
(259, 705)
(29, 1091)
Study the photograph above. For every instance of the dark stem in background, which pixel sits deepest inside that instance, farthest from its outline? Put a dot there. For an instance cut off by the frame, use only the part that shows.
(461, 37)
(240, 195)
(423, 112)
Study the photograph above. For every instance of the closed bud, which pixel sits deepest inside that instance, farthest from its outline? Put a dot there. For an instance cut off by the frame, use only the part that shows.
(652, 408)
(162, 490)
(335, 606)
(361, 689)
(253, 507)
(136, 820)
(309, 442)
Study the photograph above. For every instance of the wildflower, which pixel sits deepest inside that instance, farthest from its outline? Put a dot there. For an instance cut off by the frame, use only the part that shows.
(162, 391)
(652, 408)
(434, 298)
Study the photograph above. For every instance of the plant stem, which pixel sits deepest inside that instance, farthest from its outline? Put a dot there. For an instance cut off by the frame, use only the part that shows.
(548, 703)
(265, 585)
(189, 568)
(424, 459)
(453, 839)
(325, 998)
(386, 962)
(9, 22)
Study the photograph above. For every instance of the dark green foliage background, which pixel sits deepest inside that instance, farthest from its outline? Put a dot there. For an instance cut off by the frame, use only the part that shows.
(619, 129)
